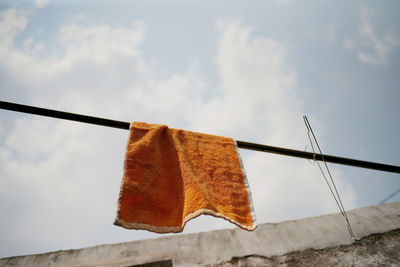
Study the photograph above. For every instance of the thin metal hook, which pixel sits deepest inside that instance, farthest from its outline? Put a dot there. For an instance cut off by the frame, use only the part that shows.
(334, 192)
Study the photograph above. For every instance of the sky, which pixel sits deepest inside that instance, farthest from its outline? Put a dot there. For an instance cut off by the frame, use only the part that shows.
(244, 69)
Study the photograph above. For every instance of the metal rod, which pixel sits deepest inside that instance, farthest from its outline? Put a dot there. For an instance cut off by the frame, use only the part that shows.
(64, 115)
(241, 144)
(319, 157)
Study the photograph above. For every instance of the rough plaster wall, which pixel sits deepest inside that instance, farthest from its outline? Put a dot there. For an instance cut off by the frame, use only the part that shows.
(378, 249)
(268, 241)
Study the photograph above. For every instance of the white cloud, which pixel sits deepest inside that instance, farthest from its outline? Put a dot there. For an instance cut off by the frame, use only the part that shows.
(75, 44)
(12, 22)
(374, 47)
(99, 43)
(256, 86)
(41, 3)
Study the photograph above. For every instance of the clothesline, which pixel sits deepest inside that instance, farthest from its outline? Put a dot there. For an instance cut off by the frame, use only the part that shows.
(241, 144)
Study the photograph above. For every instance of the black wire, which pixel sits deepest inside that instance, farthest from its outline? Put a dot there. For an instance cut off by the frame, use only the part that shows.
(241, 144)
(64, 115)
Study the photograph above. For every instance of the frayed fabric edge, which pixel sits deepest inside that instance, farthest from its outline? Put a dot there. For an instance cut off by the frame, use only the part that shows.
(246, 183)
(178, 229)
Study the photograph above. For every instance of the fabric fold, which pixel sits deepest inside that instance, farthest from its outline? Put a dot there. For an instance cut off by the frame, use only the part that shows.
(172, 176)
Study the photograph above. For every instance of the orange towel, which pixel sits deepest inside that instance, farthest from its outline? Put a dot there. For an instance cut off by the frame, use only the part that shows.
(172, 176)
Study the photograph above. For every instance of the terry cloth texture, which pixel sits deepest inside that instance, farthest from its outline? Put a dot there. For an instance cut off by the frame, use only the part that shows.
(172, 176)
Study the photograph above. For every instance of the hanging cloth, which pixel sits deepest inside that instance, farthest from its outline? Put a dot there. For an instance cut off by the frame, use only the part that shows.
(172, 176)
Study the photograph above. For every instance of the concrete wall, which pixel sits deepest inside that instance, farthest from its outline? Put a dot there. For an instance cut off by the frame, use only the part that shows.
(268, 242)
(374, 250)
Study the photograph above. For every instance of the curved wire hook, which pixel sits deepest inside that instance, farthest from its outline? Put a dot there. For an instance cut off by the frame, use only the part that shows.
(332, 187)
